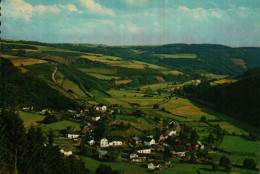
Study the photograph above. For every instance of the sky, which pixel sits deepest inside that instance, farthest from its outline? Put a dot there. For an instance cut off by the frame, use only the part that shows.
(234, 23)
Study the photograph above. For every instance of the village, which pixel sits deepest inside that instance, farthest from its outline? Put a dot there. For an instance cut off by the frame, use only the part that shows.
(153, 150)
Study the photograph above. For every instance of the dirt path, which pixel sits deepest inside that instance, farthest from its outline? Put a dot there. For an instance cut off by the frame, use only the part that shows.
(53, 74)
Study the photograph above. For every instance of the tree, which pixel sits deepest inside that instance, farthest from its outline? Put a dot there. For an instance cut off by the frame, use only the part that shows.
(214, 166)
(249, 164)
(105, 169)
(228, 168)
(50, 136)
(211, 138)
(50, 119)
(156, 106)
(203, 119)
(224, 161)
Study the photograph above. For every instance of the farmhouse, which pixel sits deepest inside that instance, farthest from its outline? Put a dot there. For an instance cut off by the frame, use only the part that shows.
(95, 118)
(91, 142)
(72, 133)
(144, 151)
(102, 154)
(148, 141)
(104, 142)
(153, 166)
(66, 153)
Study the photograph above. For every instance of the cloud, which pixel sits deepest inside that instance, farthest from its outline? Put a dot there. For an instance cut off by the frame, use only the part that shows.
(22, 10)
(130, 27)
(136, 2)
(17, 9)
(94, 7)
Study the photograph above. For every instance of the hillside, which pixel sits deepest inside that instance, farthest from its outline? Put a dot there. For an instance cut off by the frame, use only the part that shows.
(239, 99)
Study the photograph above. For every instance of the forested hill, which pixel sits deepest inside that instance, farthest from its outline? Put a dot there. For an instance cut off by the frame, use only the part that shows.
(187, 58)
(240, 100)
(21, 89)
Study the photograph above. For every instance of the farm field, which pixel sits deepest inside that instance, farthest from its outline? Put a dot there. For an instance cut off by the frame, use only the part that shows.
(67, 85)
(119, 82)
(60, 125)
(126, 168)
(30, 119)
(175, 72)
(98, 70)
(177, 56)
(26, 62)
(102, 76)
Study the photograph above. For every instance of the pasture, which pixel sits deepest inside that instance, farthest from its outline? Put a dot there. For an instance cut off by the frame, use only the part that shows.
(177, 56)
(30, 119)
(69, 85)
(26, 62)
(175, 72)
(102, 76)
(59, 126)
(126, 168)
(97, 70)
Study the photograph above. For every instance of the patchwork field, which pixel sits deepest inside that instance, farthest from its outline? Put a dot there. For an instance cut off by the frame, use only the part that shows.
(30, 119)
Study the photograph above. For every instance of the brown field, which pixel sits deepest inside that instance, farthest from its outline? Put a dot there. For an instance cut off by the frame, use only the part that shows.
(119, 82)
(27, 50)
(26, 62)
(11, 57)
(240, 62)
(23, 70)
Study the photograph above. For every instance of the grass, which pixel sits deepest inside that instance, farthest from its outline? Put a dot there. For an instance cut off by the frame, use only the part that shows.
(30, 119)
(102, 76)
(175, 72)
(177, 56)
(61, 125)
(238, 144)
(59, 78)
(120, 82)
(126, 168)
(67, 84)
(112, 101)
(26, 62)
(98, 70)
(126, 118)
(214, 76)
(223, 81)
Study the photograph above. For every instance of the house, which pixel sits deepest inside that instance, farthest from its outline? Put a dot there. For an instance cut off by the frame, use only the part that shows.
(148, 141)
(104, 142)
(95, 118)
(116, 143)
(171, 132)
(133, 155)
(72, 133)
(66, 153)
(179, 151)
(71, 111)
(102, 154)
(153, 166)
(91, 142)
(137, 140)
(201, 145)
(138, 159)
(144, 150)
(103, 108)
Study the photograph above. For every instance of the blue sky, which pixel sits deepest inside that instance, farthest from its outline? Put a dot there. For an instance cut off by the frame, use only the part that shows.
(133, 22)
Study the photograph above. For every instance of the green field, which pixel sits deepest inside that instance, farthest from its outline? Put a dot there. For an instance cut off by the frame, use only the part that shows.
(30, 119)
(67, 84)
(98, 70)
(126, 168)
(61, 125)
(102, 76)
(177, 56)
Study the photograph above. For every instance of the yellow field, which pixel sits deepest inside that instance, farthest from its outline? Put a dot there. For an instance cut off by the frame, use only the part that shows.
(172, 72)
(11, 57)
(119, 82)
(223, 81)
(59, 78)
(240, 62)
(23, 70)
(105, 71)
(177, 56)
(26, 62)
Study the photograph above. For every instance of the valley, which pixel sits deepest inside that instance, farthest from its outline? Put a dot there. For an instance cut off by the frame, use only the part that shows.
(98, 93)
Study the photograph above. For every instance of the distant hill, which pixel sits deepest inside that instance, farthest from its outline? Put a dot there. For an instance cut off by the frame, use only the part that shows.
(210, 58)
(240, 100)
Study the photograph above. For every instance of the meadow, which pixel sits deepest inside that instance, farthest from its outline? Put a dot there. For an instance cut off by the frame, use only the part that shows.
(177, 56)
(30, 119)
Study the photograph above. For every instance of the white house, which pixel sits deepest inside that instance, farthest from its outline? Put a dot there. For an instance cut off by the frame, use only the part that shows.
(91, 142)
(172, 132)
(66, 153)
(148, 141)
(152, 166)
(104, 142)
(95, 118)
(103, 108)
(72, 133)
(133, 155)
(179, 154)
(115, 143)
(137, 140)
(146, 151)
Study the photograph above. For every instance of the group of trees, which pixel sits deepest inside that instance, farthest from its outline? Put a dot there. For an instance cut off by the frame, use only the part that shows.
(29, 152)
